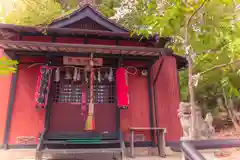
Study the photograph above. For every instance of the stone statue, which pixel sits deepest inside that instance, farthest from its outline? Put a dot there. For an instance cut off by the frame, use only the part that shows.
(184, 113)
(204, 127)
(208, 123)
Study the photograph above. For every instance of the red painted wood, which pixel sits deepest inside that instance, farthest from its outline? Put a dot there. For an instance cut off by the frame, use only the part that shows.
(134, 63)
(5, 82)
(86, 23)
(37, 38)
(15, 37)
(137, 115)
(75, 40)
(70, 40)
(27, 59)
(130, 43)
(101, 41)
(167, 97)
(26, 121)
(66, 117)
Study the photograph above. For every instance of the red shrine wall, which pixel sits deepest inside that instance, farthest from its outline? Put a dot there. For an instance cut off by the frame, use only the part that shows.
(5, 82)
(137, 115)
(168, 97)
(26, 121)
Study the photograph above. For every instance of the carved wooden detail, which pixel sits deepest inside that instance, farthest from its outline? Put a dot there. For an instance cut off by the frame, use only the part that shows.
(26, 140)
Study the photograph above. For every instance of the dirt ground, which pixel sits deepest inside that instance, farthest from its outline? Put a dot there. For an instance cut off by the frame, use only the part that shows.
(141, 154)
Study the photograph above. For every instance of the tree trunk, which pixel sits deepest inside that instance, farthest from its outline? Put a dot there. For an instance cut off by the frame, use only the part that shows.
(193, 131)
(231, 112)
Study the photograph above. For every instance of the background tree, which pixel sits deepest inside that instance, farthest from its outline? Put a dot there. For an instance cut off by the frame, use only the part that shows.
(205, 31)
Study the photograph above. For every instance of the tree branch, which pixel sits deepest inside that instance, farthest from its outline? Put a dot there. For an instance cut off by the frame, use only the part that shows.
(196, 11)
(218, 48)
(219, 66)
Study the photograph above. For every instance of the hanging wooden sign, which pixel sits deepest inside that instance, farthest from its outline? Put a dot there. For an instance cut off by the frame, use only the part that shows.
(81, 61)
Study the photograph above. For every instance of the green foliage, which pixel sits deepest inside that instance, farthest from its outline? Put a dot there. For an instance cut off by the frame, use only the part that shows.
(106, 7)
(43, 12)
(213, 34)
(7, 66)
(32, 12)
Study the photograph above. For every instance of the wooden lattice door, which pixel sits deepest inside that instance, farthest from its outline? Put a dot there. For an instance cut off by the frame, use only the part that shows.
(66, 109)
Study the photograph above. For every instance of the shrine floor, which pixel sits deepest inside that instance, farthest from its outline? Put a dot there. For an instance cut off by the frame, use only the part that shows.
(141, 154)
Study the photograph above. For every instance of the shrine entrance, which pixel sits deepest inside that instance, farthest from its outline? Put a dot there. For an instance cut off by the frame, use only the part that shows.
(71, 97)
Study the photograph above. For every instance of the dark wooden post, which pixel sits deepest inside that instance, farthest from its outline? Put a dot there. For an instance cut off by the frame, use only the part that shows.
(161, 143)
(132, 142)
(150, 97)
(10, 107)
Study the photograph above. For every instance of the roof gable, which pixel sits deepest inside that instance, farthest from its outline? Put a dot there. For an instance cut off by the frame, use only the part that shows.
(90, 13)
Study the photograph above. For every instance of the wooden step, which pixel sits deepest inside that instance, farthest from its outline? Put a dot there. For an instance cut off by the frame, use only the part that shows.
(81, 142)
(64, 136)
(76, 151)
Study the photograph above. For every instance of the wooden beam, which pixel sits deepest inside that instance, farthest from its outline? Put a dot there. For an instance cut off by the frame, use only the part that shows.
(84, 54)
(82, 46)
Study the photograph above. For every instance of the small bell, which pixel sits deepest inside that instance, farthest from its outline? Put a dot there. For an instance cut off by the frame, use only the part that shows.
(75, 74)
(99, 76)
(86, 77)
(94, 78)
(110, 75)
(57, 75)
(106, 75)
(79, 75)
(68, 75)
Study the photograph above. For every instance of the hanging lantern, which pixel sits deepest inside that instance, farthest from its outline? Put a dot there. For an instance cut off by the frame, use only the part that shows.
(68, 75)
(99, 76)
(110, 75)
(122, 88)
(75, 74)
(57, 75)
(79, 75)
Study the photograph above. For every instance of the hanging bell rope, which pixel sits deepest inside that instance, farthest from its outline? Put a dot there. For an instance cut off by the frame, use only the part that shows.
(90, 122)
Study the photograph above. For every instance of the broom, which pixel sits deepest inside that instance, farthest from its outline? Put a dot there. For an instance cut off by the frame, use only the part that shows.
(90, 122)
